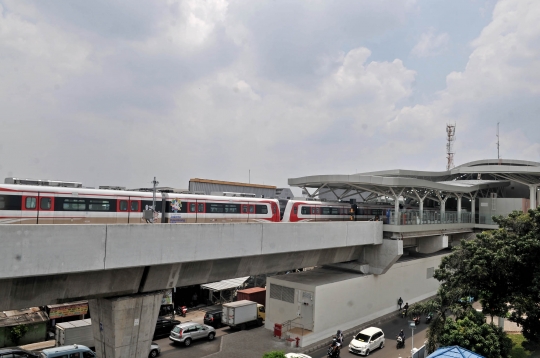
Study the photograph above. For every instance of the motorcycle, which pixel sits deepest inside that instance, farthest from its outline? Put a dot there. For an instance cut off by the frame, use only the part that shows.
(333, 353)
(416, 320)
(400, 342)
(429, 317)
(403, 313)
(181, 311)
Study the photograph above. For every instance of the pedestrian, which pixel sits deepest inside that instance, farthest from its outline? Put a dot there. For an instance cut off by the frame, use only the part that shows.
(400, 302)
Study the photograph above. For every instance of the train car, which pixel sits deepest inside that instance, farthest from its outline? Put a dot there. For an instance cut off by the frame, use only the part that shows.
(29, 204)
(306, 211)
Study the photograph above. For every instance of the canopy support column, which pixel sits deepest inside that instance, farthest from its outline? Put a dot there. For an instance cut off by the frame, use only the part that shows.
(458, 196)
(532, 196)
(396, 205)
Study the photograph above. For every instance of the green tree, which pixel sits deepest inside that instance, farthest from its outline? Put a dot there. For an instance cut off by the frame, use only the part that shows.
(16, 333)
(501, 269)
(274, 354)
(473, 333)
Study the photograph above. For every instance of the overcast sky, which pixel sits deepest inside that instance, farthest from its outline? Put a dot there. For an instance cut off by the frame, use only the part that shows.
(111, 92)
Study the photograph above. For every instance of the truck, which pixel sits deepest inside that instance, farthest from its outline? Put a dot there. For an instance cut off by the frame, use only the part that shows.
(241, 314)
(75, 332)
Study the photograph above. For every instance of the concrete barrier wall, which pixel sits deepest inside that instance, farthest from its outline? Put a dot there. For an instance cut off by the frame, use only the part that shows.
(34, 250)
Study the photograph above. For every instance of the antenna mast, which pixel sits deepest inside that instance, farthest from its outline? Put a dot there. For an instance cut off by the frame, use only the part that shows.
(450, 138)
(498, 144)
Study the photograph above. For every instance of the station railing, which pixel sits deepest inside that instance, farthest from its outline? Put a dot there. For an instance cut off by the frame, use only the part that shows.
(427, 217)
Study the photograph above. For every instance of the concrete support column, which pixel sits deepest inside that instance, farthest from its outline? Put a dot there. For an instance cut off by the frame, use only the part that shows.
(124, 326)
(396, 209)
(421, 202)
(532, 196)
(473, 211)
(459, 208)
(443, 210)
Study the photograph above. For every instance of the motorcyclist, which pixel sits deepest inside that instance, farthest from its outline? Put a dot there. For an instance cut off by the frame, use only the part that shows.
(339, 337)
(402, 335)
(406, 308)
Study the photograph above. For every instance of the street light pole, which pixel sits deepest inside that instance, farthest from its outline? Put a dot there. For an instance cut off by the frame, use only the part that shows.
(412, 324)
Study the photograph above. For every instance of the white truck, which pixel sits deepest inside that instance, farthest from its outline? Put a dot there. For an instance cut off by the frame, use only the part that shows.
(241, 314)
(75, 332)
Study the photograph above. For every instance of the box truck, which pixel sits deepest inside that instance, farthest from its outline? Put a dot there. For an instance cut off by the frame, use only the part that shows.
(75, 332)
(241, 314)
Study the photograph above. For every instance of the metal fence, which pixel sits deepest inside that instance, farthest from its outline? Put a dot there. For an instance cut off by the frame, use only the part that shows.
(427, 217)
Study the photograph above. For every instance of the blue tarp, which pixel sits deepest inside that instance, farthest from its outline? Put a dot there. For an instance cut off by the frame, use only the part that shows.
(454, 352)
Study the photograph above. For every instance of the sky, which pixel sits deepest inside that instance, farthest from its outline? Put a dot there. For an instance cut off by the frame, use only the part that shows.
(115, 92)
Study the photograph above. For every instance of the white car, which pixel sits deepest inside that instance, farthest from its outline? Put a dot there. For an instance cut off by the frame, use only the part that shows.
(367, 340)
(296, 355)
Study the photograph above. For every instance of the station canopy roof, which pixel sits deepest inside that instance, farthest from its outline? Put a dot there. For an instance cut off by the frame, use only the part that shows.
(471, 179)
(454, 352)
(225, 284)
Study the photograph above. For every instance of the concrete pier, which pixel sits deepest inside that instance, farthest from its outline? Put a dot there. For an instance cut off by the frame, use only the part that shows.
(124, 326)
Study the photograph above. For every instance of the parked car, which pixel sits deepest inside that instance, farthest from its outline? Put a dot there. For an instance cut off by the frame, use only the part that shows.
(154, 350)
(188, 332)
(17, 352)
(213, 318)
(367, 340)
(74, 350)
(164, 326)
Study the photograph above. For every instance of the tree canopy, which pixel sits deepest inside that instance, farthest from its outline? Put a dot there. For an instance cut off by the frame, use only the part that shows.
(501, 269)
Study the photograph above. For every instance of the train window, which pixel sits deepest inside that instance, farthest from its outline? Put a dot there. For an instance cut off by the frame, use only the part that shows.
(99, 205)
(30, 203)
(295, 209)
(2, 202)
(191, 207)
(306, 210)
(261, 209)
(123, 205)
(334, 211)
(74, 204)
(134, 206)
(214, 208)
(232, 208)
(45, 203)
(201, 207)
(325, 211)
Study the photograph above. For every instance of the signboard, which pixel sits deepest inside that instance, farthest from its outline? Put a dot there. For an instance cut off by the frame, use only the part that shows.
(412, 324)
(68, 310)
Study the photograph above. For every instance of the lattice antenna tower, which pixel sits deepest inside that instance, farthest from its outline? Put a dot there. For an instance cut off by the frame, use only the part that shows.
(450, 138)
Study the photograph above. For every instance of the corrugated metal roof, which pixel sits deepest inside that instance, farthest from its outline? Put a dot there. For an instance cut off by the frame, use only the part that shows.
(209, 181)
(225, 284)
(27, 316)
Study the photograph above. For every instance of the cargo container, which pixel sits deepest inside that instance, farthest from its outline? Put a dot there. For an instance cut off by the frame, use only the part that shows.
(255, 294)
(241, 314)
(75, 332)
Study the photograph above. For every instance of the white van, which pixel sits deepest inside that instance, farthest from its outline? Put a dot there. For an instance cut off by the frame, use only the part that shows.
(73, 351)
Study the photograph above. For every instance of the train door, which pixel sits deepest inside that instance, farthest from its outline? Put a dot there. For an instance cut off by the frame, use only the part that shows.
(315, 211)
(29, 208)
(45, 209)
(201, 212)
(191, 216)
(134, 211)
(122, 210)
(251, 212)
(244, 208)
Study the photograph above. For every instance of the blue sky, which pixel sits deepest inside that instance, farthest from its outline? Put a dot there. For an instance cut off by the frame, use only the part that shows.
(110, 93)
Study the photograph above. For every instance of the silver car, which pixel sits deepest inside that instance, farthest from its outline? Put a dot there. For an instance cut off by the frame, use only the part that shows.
(188, 332)
(154, 350)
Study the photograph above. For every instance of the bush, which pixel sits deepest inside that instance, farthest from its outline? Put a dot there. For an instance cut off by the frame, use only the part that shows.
(274, 354)
(16, 333)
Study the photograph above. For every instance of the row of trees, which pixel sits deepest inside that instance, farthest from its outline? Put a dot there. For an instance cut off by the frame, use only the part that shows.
(501, 268)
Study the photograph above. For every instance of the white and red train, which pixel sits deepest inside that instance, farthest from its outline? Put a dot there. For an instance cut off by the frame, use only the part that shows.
(28, 204)
(32, 204)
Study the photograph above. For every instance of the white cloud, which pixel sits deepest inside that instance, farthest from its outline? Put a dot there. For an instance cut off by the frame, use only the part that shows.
(430, 44)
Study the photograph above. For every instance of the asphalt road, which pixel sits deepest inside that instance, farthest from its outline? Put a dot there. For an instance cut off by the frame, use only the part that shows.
(391, 329)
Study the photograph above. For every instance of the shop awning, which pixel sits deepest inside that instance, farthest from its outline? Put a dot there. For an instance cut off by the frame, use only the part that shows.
(225, 284)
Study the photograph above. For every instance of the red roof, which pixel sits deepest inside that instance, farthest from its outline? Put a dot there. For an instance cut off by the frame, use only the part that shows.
(252, 290)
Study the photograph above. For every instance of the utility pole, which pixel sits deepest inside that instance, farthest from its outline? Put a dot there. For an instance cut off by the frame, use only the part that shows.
(154, 182)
